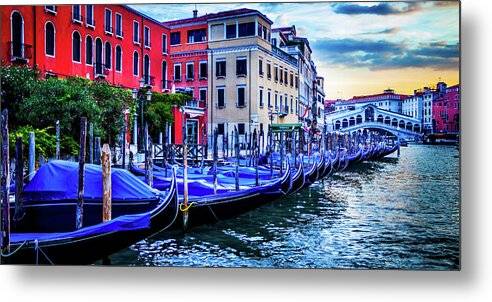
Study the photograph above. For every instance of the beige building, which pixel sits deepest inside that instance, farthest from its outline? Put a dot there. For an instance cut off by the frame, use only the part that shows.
(252, 83)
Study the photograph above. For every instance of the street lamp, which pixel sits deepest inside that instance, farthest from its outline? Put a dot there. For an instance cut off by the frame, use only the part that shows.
(138, 95)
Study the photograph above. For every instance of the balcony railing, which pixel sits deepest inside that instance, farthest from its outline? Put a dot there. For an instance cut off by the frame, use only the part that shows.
(100, 70)
(195, 104)
(108, 29)
(119, 33)
(78, 18)
(166, 84)
(283, 55)
(20, 52)
(149, 80)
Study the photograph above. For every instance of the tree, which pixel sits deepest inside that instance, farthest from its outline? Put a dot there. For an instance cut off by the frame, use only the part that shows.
(159, 110)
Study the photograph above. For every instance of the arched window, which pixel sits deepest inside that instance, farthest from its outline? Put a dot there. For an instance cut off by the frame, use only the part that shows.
(88, 50)
(337, 125)
(118, 58)
(358, 119)
(344, 123)
(380, 118)
(352, 121)
(387, 120)
(135, 63)
(146, 71)
(76, 46)
(107, 55)
(164, 75)
(99, 56)
(409, 126)
(49, 39)
(17, 25)
(394, 122)
(401, 124)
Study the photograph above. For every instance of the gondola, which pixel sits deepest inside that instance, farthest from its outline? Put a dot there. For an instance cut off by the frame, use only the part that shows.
(44, 244)
(298, 179)
(215, 207)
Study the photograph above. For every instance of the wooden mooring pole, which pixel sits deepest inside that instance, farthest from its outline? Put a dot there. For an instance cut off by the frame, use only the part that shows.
(236, 134)
(19, 179)
(5, 184)
(97, 151)
(91, 143)
(106, 182)
(79, 214)
(57, 129)
(32, 155)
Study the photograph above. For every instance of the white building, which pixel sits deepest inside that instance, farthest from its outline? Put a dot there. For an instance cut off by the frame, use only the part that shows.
(413, 105)
(388, 100)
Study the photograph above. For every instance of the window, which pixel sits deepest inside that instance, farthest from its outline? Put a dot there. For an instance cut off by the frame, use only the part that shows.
(50, 39)
(274, 41)
(241, 69)
(217, 32)
(260, 67)
(135, 63)
(220, 98)
(246, 29)
(269, 99)
(276, 101)
(76, 47)
(276, 74)
(136, 32)
(76, 15)
(164, 75)
(50, 9)
(220, 68)
(291, 105)
(146, 71)
(260, 29)
(220, 129)
(119, 27)
(240, 129)
(203, 70)
(107, 21)
(203, 94)
(146, 36)
(281, 104)
(240, 97)
(261, 97)
(88, 50)
(107, 55)
(118, 58)
(286, 77)
(231, 31)
(297, 107)
(164, 43)
(190, 74)
(177, 72)
(197, 35)
(291, 80)
(281, 75)
(176, 38)
(297, 82)
(269, 71)
(89, 14)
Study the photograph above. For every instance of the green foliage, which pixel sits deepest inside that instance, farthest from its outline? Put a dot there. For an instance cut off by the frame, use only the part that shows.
(45, 142)
(159, 110)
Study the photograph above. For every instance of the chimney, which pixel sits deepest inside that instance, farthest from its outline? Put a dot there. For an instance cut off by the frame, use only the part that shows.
(195, 13)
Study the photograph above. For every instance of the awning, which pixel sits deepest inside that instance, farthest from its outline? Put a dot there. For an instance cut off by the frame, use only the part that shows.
(286, 127)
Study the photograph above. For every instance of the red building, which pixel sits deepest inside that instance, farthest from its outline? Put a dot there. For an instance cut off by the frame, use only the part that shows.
(188, 73)
(446, 111)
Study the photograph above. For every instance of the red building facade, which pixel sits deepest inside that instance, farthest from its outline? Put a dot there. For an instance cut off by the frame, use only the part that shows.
(446, 111)
(188, 73)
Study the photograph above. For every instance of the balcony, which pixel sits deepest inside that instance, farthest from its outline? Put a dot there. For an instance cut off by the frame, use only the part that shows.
(195, 107)
(284, 111)
(100, 71)
(166, 85)
(283, 55)
(149, 80)
(19, 52)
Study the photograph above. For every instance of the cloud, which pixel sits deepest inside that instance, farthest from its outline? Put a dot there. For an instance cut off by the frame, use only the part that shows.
(391, 30)
(384, 55)
(378, 9)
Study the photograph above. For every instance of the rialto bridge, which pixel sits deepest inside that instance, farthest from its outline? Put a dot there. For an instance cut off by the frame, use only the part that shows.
(374, 118)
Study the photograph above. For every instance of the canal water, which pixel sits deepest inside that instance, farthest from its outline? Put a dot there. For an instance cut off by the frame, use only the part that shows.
(393, 214)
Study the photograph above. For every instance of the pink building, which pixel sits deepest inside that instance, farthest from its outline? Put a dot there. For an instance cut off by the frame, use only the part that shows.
(446, 111)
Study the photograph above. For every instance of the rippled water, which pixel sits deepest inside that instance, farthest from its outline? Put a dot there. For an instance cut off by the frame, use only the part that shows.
(397, 213)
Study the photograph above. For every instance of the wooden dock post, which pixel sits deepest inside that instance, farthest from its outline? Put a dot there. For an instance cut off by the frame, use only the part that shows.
(149, 173)
(215, 155)
(256, 156)
(79, 214)
(106, 182)
(57, 129)
(97, 151)
(185, 173)
(19, 179)
(236, 134)
(123, 146)
(91, 143)
(32, 155)
(5, 184)
(281, 152)
(270, 148)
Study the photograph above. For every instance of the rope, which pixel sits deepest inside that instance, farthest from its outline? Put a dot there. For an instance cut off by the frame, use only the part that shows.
(38, 249)
(12, 253)
(184, 208)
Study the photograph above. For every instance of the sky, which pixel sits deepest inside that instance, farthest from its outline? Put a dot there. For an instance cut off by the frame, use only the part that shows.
(361, 48)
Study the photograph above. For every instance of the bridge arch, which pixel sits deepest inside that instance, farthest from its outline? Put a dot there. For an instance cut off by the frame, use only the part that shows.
(337, 125)
(401, 124)
(344, 123)
(409, 126)
(416, 128)
(387, 120)
(394, 122)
